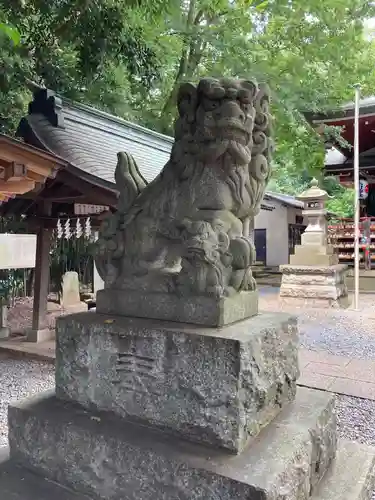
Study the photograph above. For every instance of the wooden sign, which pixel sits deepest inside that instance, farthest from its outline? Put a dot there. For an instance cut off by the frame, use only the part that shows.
(81, 209)
(17, 251)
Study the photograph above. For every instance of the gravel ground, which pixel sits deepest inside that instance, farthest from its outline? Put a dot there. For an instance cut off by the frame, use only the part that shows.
(344, 332)
(356, 420)
(18, 379)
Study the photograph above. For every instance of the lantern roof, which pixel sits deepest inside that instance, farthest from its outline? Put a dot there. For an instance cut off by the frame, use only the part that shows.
(313, 192)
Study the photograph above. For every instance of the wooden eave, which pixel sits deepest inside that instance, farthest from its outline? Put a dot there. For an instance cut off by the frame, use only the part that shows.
(24, 168)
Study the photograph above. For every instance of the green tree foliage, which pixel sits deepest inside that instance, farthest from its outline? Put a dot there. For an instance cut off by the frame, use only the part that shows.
(8, 31)
(310, 53)
(341, 202)
(289, 181)
(90, 50)
(129, 57)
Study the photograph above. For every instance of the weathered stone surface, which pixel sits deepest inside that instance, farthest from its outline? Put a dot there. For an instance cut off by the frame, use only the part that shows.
(70, 297)
(352, 475)
(321, 248)
(70, 289)
(314, 239)
(207, 311)
(313, 257)
(314, 302)
(218, 386)
(310, 286)
(4, 329)
(313, 279)
(4, 332)
(187, 232)
(108, 458)
(18, 483)
(327, 270)
(313, 291)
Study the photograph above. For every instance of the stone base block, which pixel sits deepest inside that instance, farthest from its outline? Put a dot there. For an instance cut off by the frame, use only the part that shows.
(352, 475)
(75, 308)
(107, 458)
(315, 303)
(314, 256)
(40, 335)
(4, 332)
(205, 311)
(217, 386)
(19, 483)
(314, 286)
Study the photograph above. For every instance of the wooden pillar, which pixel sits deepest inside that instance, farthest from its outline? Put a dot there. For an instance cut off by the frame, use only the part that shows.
(39, 331)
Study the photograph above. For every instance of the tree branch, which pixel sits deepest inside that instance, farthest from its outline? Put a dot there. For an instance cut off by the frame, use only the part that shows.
(184, 61)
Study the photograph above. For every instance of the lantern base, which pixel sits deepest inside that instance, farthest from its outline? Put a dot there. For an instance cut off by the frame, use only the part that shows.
(314, 286)
(314, 255)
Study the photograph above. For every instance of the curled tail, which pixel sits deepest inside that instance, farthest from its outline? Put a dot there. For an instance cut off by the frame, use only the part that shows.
(129, 181)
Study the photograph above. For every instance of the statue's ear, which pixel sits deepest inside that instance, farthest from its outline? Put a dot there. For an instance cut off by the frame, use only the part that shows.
(187, 101)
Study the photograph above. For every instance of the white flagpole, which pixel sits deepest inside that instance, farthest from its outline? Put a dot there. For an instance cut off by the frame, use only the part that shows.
(356, 197)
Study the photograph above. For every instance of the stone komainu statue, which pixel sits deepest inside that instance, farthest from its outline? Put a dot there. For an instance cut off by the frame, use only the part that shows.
(187, 232)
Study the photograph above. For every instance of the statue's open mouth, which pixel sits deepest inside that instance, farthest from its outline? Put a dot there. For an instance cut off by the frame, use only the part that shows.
(233, 130)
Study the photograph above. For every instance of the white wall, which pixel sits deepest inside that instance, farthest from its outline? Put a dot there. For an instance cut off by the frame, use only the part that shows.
(292, 212)
(276, 225)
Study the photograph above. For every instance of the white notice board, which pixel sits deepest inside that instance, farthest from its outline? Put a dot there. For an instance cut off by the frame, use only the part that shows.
(17, 251)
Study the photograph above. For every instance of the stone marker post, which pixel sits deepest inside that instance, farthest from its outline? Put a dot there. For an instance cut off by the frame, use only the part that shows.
(70, 297)
(314, 276)
(4, 328)
(177, 387)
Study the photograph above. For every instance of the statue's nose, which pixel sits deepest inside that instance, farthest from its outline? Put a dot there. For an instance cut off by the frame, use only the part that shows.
(231, 109)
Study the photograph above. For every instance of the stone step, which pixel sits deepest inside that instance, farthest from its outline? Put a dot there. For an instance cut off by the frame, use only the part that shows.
(351, 476)
(18, 483)
(109, 458)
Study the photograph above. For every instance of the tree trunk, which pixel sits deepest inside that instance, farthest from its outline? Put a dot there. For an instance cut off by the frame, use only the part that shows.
(185, 69)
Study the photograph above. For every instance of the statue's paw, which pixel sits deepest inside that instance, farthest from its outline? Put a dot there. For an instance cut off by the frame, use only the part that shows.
(215, 291)
(251, 285)
(243, 280)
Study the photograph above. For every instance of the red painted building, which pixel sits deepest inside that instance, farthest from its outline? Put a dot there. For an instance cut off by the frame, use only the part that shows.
(339, 159)
(339, 162)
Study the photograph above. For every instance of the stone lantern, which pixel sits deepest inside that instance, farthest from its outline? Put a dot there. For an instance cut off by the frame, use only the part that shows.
(314, 249)
(314, 200)
(314, 277)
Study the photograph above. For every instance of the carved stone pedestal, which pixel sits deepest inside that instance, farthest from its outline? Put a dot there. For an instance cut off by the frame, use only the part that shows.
(146, 409)
(314, 286)
(217, 386)
(197, 310)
